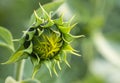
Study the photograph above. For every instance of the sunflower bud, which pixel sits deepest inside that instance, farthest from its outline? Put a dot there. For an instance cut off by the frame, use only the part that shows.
(46, 41)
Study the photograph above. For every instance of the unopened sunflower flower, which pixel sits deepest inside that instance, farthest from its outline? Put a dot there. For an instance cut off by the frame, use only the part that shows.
(46, 41)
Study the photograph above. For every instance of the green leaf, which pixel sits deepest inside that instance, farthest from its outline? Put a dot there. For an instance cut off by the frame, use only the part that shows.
(15, 57)
(53, 6)
(19, 55)
(10, 80)
(6, 38)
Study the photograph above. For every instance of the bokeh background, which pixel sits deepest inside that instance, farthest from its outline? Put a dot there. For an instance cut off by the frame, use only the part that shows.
(98, 20)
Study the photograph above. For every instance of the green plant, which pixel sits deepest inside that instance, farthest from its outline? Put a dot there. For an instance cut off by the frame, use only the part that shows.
(47, 41)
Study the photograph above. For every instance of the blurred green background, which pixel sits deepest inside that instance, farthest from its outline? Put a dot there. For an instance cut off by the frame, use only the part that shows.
(98, 20)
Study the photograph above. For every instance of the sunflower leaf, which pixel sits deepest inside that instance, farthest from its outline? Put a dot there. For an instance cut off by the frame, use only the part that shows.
(10, 80)
(6, 38)
(18, 55)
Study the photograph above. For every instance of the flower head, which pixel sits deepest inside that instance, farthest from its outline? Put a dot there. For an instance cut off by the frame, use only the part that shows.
(46, 41)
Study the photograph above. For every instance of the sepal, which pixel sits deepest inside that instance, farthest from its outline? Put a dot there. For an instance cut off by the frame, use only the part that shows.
(59, 21)
(39, 20)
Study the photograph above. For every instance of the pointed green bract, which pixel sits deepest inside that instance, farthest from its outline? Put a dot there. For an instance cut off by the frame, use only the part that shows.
(35, 70)
(48, 65)
(35, 59)
(38, 19)
(69, 38)
(45, 14)
(64, 29)
(65, 59)
(54, 68)
(59, 21)
(53, 6)
(58, 63)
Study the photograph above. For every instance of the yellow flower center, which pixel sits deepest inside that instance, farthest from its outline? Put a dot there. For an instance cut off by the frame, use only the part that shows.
(47, 45)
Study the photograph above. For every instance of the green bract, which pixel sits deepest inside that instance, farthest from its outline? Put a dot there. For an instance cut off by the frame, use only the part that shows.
(46, 41)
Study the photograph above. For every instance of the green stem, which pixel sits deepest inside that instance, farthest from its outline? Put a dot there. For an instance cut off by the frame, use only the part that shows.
(19, 70)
